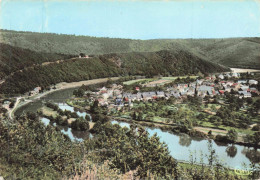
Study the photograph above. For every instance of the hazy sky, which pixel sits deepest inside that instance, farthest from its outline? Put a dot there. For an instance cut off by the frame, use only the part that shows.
(135, 19)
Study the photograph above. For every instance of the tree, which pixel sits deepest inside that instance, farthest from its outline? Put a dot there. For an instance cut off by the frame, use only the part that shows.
(80, 124)
(134, 116)
(94, 108)
(232, 135)
(11, 105)
(210, 133)
(249, 100)
(79, 93)
(140, 116)
(255, 138)
(82, 54)
(87, 117)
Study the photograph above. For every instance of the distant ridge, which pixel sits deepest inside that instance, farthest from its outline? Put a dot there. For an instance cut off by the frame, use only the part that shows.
(231, 52)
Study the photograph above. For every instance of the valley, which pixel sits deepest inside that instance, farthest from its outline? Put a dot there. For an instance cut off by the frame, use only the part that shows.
(157, 100)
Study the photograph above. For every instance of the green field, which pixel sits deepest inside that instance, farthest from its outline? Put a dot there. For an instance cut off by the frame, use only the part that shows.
(135, 81)
(175, 77)
(155, 79)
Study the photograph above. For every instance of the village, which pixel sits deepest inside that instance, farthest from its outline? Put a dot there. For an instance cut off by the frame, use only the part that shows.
(213, 85)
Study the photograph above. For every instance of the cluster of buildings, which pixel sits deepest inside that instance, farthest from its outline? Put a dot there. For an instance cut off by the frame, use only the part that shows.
(204, 87)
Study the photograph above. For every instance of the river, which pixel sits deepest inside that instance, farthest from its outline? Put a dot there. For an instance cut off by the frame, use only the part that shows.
(181, 146)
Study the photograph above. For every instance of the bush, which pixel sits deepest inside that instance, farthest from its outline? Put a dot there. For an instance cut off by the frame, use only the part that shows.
(221, 138)
(80, 124)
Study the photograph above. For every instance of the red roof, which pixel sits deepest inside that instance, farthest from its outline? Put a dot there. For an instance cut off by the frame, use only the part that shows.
(222, 91)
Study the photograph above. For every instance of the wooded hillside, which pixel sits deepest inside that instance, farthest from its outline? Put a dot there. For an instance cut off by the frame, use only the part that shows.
(108, 65)
(231, 52)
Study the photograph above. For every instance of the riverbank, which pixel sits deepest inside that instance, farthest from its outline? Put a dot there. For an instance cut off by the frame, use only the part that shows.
(195, 132)
(59, 86)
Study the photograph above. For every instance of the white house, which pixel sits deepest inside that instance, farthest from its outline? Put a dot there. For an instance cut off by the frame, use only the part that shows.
(252, 82)
(242, 81)
(221, 76)
(245, 94)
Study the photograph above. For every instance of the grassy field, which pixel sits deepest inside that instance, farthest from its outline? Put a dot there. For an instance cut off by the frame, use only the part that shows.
(136, 80)
(151, 80)
(175, 77)
(48, 112)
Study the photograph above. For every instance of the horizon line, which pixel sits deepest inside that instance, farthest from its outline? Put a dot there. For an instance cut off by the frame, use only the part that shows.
(125, 38)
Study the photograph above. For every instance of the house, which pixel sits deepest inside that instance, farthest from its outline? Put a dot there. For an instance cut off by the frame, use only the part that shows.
(103, 90)
(7, 102)
(35, 91)
(253, 90)
(245, 94)
(168, 95)
(118, 101)
(244, 88)
(228, 75)
(203, 90)
(242, 81)
(235, 86)
(213, 77)
(235, 74)
(227, 88)
(221, 76)
(199, 81)
(221, 92)
(148, 95)
(139, 96)
(229, 83)
(105, 96)
(251, 82)
(160, 94)
(175, 94)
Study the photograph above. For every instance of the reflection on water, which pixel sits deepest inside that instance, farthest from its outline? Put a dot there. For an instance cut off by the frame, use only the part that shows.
(185, 140)
(181, 145)
(65, 106)
(73, 135)
(231, 151)
(252, 154)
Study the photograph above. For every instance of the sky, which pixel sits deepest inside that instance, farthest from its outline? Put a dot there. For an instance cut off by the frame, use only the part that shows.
(135, 19)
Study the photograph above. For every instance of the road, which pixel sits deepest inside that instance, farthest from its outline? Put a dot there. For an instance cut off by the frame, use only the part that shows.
(10, 111)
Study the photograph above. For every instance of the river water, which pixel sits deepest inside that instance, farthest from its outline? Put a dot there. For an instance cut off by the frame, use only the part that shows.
(181, 146)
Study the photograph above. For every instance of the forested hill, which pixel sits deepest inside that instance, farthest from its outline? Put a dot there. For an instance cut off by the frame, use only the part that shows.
(13, 59)
(233, 52)
(108, 65)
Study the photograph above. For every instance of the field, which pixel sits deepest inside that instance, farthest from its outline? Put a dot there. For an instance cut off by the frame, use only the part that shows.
(48, 112)
(134, 81)
(150, 82)
(158, 82)
(175, 77)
